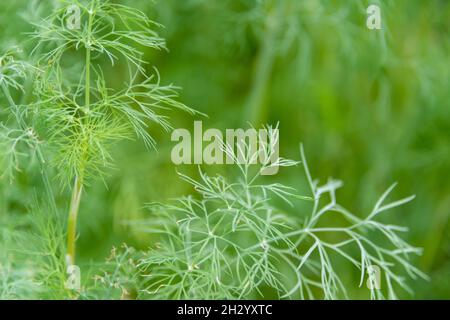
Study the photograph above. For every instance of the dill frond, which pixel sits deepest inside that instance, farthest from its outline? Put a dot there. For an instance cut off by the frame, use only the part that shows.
(231, 240)
(82, 119)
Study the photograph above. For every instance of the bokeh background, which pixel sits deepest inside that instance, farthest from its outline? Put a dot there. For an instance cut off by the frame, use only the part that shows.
(371, 107)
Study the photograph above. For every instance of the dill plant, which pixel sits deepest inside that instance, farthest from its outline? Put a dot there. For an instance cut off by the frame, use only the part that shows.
(17, 140)
(234, 240)
(21, 151)
(82, 118)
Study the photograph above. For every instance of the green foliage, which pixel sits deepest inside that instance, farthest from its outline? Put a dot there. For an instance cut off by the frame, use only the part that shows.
(16, 140)
(16, 278)
(371, 107)
(233, 241)
(32, 255)
(83, 130)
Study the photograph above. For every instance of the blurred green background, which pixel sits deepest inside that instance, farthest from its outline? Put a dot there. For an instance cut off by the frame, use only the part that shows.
(370, 106)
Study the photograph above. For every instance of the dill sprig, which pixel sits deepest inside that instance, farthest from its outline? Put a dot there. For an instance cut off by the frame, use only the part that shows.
(231, 240)
(84, 118)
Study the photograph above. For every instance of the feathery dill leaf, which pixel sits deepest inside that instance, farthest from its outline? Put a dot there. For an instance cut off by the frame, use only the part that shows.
(233, 240)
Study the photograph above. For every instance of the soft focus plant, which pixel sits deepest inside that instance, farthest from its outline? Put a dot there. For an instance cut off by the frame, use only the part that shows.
(370, 108)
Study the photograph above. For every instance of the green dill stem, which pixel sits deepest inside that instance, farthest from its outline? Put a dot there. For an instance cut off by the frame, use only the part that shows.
(88, 78)
(72, 221)
(78, 183)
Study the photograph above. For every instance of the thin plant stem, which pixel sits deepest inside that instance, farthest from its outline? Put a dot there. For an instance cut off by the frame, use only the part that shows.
(78, 183)
(72, 221)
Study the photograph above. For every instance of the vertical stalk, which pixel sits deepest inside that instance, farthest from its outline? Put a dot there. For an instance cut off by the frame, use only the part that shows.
(88, 78)
(78, 183)
(72, 221)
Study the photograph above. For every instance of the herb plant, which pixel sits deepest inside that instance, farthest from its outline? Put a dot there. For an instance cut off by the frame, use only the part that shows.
(233, 241)
(84, 117)
(72, 96)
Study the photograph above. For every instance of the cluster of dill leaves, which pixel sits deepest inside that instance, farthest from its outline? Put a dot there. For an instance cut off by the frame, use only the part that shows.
(232, 239)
